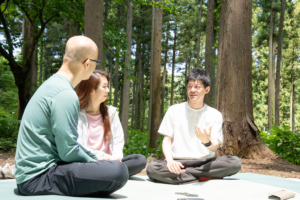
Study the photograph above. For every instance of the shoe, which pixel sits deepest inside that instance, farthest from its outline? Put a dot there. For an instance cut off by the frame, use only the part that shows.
(7, 172)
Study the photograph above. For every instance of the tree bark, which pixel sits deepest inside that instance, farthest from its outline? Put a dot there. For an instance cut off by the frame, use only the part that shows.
(110, 82)
(141, 78)
(126, 86)
(41, 62)
(234, 95)
(116, 92)
(279, 65)
(156, 73)
(292, 105)
(93, 25)
(199, 33)
(173, 66)
(28, 32)
(164, 73)
(271, 81)
(209, 44)
(292, 96)
(150, 96)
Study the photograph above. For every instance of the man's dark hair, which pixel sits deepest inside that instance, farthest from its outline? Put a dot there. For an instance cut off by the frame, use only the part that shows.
(199, 74)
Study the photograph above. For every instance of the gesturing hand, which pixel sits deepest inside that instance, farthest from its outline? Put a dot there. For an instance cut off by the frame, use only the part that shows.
(204, 135)
(175, 167)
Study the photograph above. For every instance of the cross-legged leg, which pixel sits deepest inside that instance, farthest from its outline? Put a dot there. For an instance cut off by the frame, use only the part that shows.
(210, 167)
(135, 163)
(99, 178)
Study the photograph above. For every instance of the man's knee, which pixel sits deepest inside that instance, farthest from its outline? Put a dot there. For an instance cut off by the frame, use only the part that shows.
(152, 169)
(236, 164)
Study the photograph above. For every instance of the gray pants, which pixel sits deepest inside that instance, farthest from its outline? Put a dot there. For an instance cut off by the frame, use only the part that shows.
(217, 167)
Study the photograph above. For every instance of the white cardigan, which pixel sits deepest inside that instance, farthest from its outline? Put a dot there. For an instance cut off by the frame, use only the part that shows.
(117, 138)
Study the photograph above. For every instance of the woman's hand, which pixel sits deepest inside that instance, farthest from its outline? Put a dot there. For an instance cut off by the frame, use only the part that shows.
(108, 157)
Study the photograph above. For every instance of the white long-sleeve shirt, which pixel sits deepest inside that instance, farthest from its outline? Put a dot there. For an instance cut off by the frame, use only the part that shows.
(117, 138)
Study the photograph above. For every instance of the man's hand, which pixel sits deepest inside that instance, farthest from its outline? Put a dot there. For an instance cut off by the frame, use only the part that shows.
(175, 167)
(204, 135)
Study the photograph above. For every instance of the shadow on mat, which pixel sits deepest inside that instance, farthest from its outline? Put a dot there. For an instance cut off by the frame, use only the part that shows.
(112, 196)
(133, 178)
(193, 182)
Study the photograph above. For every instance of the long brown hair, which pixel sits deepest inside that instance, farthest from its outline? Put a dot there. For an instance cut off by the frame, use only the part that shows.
(84, 91)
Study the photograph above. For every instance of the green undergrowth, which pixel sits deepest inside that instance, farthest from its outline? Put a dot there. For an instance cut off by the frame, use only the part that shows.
(283, 142)
(138, 143)
(8, 130)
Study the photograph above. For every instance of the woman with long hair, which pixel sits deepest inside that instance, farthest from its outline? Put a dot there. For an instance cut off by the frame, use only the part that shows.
(99, 127)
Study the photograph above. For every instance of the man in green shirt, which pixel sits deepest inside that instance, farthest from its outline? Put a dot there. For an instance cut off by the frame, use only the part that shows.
(48, 158)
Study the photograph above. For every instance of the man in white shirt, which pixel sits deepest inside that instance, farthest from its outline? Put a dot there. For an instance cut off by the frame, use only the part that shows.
(192, 134)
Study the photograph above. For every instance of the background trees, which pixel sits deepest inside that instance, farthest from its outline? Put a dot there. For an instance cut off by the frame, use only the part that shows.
(142, 63)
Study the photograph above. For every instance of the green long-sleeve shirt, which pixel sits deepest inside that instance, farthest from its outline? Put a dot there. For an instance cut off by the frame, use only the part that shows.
(48, 130)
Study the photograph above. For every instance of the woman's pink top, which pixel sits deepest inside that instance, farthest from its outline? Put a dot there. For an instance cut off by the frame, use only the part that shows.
(96, 134)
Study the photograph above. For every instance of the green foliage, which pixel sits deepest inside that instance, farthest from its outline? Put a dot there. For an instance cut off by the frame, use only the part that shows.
(8, 108)
(138, 143)
(8, 130)
(283, 142)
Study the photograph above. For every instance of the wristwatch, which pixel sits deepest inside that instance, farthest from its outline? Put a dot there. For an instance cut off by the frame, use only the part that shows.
(207, 144)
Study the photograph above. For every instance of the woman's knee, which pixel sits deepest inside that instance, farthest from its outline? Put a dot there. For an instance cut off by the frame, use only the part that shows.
(142, 160)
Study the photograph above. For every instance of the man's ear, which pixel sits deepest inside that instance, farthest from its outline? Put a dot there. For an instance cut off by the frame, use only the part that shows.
(207, 89)
(86, 65)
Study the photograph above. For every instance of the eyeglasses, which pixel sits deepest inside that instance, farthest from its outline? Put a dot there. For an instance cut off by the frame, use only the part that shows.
(97, 61)
(197, 87)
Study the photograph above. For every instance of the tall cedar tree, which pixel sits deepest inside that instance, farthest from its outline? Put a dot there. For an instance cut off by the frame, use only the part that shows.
(234, 82)
(93, 25)
(126, 86)
(279, 65)
(155, 73)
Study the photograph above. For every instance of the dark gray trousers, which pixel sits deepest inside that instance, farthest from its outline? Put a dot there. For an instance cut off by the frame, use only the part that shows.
(217, 167)
(98, 179)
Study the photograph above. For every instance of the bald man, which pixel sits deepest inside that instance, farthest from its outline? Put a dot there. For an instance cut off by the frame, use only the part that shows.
(48, 158)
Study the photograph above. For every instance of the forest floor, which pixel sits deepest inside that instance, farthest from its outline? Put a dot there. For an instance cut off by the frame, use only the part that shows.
(275, 167)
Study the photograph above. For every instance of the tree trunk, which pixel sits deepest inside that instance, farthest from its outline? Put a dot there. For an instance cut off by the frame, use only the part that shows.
(116, 92)
(93, 25)
(199, 33)
(292, 105)
(279, 65)
(234, 89)
(292, 97)
(141, 81)
(110, 82)
(133, 105)
(164, 73)
(71, 29)
(150, 98)
(209, 44)
(126, 86)
(173, 66)
(273, 63)
(41, 62)
(27, 34)
(156, 74)
(271, 81)
(105, 41)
